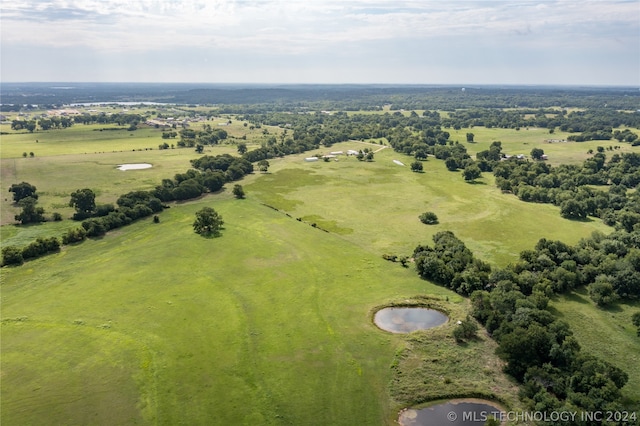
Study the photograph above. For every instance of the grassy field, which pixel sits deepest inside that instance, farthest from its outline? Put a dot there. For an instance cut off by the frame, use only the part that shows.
(376, 205)
(79, 157)
(244, 328)
(271, 322)
(606, 333)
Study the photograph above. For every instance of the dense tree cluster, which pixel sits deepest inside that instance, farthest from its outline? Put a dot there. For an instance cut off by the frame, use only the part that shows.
(121, 119)
(192, 137)
(539, 349)
(327, 97)
(451, 264)
(571, 187)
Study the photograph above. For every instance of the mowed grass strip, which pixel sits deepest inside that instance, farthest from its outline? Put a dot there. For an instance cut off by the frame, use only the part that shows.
(267, 324)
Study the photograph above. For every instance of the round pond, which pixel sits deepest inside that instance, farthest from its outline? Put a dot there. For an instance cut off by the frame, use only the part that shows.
(408, 319)
(464, 412)
(135, 166)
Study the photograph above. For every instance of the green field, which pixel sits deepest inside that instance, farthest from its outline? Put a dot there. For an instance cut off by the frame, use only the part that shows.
(271, 322)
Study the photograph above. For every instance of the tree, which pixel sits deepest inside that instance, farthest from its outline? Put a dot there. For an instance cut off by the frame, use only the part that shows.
(208, 222)
(470, 137)
(451, 163)
(572, 209)
(471, 172)
(428, 218)
(537, 153)
(416, 166)
(242, 148)
(238, 191)
(30, 213)
(635, 319)
(601, 291)
(23, 190)
(263, 166)
(84, 201)
(12, 255)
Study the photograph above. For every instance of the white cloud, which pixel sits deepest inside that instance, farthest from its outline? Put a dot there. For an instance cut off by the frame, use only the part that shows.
(367, 31)
(291, 26)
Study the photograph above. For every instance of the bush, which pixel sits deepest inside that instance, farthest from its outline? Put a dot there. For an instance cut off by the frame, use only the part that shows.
(74, 236)
(416, 166)
(12, 255)
(467, 329)
(429, 218)
(238, 192)
(40, 247)
(94, 227)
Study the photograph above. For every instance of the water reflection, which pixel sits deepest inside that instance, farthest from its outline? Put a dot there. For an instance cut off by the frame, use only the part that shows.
(452, 413)
(408, 319)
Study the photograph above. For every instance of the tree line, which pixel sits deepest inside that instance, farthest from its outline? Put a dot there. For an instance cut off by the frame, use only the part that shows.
(209, 174)
(539, 349)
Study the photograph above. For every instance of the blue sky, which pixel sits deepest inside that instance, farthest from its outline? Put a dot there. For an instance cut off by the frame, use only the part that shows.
(583, 42)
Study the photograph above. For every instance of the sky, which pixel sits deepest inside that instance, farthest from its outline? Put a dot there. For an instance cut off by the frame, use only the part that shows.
(566, 42)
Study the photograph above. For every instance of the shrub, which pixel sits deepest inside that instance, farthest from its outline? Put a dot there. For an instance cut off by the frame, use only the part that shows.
(74, 236)
(12, 255)
(429, 218)
(238, 192)
(466, 329)
(416, 166)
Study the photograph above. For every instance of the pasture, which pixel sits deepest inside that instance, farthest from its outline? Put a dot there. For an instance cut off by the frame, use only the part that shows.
(271, 322)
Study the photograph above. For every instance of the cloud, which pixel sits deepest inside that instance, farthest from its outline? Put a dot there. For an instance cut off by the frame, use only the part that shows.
(292, 26)
(304, 31)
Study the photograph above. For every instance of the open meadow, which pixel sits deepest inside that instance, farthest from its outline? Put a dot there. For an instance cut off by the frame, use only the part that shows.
(270, 323)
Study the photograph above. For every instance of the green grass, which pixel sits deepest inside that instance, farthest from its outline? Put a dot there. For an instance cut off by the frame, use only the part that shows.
(607, 333)
(376, 205)
(271, 322)
(524, 140)
(244, 328)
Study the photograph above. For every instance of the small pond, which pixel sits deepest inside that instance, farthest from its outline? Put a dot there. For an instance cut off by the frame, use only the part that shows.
(135, 166)
(464, 412)
(408, 319)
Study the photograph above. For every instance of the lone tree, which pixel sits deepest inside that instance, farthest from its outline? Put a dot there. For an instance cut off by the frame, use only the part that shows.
(416, 166)
(470, 137)
(537, 153)
(84, 201)
(208, 222)
(238, 191)
(23, 190)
